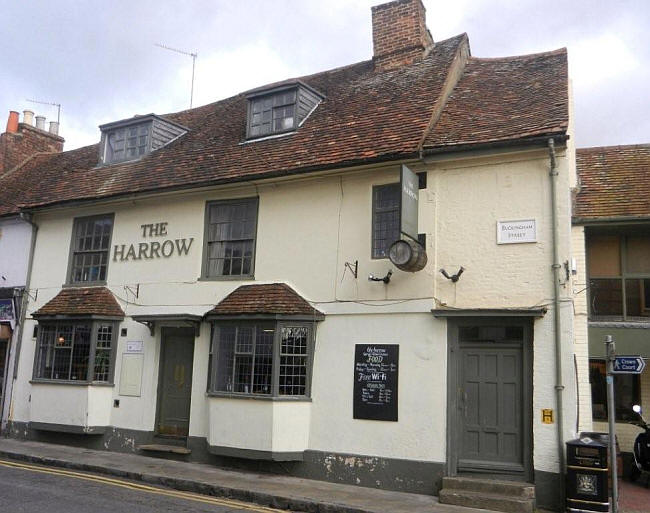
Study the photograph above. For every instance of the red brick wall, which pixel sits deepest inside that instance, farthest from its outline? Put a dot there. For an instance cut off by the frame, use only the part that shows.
(17, 147)
(399, 33)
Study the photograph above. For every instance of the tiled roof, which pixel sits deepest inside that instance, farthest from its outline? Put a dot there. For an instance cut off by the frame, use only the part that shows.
(505, 98)
(614, 181)
(81, 301)
(273, 298)
(367, 116)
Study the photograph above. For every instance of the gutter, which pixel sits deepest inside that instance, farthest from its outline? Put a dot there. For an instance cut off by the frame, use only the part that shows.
(595, 221)
(557, 331)
(541, 140)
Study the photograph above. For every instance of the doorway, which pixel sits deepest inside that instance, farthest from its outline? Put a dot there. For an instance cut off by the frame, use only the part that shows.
(490, 397)
(175, 382)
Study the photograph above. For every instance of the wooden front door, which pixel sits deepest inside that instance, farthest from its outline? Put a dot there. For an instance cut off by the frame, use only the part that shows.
(492, 399)
(175, 382)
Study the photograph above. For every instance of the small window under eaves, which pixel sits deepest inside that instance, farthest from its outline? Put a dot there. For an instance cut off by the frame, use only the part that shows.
(279, 109)
(131, 139)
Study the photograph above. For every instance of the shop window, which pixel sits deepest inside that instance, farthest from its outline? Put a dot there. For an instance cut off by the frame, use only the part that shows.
(261, 359)
(229, 249)
(76, 351)
(619, 276)
(626, 392)
(91, 240)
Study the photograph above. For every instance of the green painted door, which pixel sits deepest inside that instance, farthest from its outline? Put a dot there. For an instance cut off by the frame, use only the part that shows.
(491, 406)
(175, 386)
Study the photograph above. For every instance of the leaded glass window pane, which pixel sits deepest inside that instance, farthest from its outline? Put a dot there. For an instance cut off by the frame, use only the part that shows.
(231, 238)
(385, 219)
(293, 360)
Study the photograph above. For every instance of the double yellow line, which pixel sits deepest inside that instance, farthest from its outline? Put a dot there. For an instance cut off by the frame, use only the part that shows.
(140, 487)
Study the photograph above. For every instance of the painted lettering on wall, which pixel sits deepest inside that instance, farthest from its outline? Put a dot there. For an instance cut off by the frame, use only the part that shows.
(147, 250)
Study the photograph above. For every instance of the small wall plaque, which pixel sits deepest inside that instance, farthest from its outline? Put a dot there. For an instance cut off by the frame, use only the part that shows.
(516, 232)
(134, 346)
(547, 416)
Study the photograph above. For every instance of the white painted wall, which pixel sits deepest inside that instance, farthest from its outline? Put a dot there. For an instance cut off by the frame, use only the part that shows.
(308, 229)
(15, 240)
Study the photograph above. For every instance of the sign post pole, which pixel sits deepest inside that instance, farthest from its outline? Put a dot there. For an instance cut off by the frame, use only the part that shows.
(611, 416)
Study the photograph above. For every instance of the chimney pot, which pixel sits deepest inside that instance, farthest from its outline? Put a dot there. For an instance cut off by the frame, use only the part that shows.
(54, 127)
(28, 117)
(12, 122)
(40, 122)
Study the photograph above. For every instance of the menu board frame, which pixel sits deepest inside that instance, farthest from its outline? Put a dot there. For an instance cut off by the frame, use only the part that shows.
(376, 377)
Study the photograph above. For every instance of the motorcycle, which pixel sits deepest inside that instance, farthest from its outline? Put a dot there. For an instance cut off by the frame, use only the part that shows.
(641, 446)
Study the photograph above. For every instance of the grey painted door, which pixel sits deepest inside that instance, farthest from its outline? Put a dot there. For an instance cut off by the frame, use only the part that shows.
(491, 399)
(175, 387)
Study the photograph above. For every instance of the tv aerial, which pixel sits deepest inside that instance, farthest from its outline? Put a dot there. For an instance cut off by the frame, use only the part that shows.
(183, 52)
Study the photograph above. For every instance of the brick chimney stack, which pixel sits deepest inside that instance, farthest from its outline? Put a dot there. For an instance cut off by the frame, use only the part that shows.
(399, 34)
(22, 141)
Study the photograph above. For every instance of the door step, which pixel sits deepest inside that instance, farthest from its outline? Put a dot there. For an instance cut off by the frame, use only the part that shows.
(175, 449)
(506, 496)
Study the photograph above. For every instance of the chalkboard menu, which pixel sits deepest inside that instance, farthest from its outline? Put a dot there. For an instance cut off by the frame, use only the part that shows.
(375, 381)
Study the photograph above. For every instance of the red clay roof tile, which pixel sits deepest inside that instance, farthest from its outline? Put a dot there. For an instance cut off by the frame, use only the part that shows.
(614, 181)
(81, 301)
(366, 116)
(273, 298)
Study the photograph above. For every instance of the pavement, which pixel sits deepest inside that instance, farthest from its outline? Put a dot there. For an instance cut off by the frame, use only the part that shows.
(634, 497)
(282, 492)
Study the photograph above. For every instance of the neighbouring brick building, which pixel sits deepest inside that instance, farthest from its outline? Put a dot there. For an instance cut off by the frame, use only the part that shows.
(361, 275)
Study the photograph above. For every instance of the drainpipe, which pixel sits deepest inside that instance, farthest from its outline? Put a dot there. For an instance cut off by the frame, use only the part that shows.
(559, 386)
(25, 299)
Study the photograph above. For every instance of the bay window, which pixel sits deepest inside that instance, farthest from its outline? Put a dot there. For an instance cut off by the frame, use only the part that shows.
(266, 359)
(76, 351)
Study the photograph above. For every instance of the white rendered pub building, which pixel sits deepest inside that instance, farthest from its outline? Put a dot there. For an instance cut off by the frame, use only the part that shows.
(224, 280)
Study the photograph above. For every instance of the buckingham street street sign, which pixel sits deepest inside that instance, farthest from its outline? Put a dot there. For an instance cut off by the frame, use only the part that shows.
(628, 365)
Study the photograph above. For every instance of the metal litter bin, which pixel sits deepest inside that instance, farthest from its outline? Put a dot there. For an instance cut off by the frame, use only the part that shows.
(587, 487)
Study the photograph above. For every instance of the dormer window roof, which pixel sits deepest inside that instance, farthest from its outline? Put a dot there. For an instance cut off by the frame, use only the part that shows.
(131, 139)
(279, 109)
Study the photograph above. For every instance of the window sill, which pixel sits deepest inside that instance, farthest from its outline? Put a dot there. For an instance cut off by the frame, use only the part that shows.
(242, 277)
(82, 284)
(73, 382)
(227, 395)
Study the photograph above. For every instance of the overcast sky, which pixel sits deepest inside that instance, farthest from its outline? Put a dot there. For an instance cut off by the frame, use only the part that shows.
(98, 59)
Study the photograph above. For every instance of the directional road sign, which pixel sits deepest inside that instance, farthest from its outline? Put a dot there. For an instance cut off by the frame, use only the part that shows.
(628, 365)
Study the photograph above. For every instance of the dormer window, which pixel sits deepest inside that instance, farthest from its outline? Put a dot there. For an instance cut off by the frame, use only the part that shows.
(131, 139)
(280, 109)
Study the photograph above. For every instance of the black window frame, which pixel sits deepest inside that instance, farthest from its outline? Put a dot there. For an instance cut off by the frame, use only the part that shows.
(94, 326)
(107, 158)
(382, 253)
(272, 95)
(624, 278)
(216, 352)
(73, 251)
(206, 242)
(598, 387)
